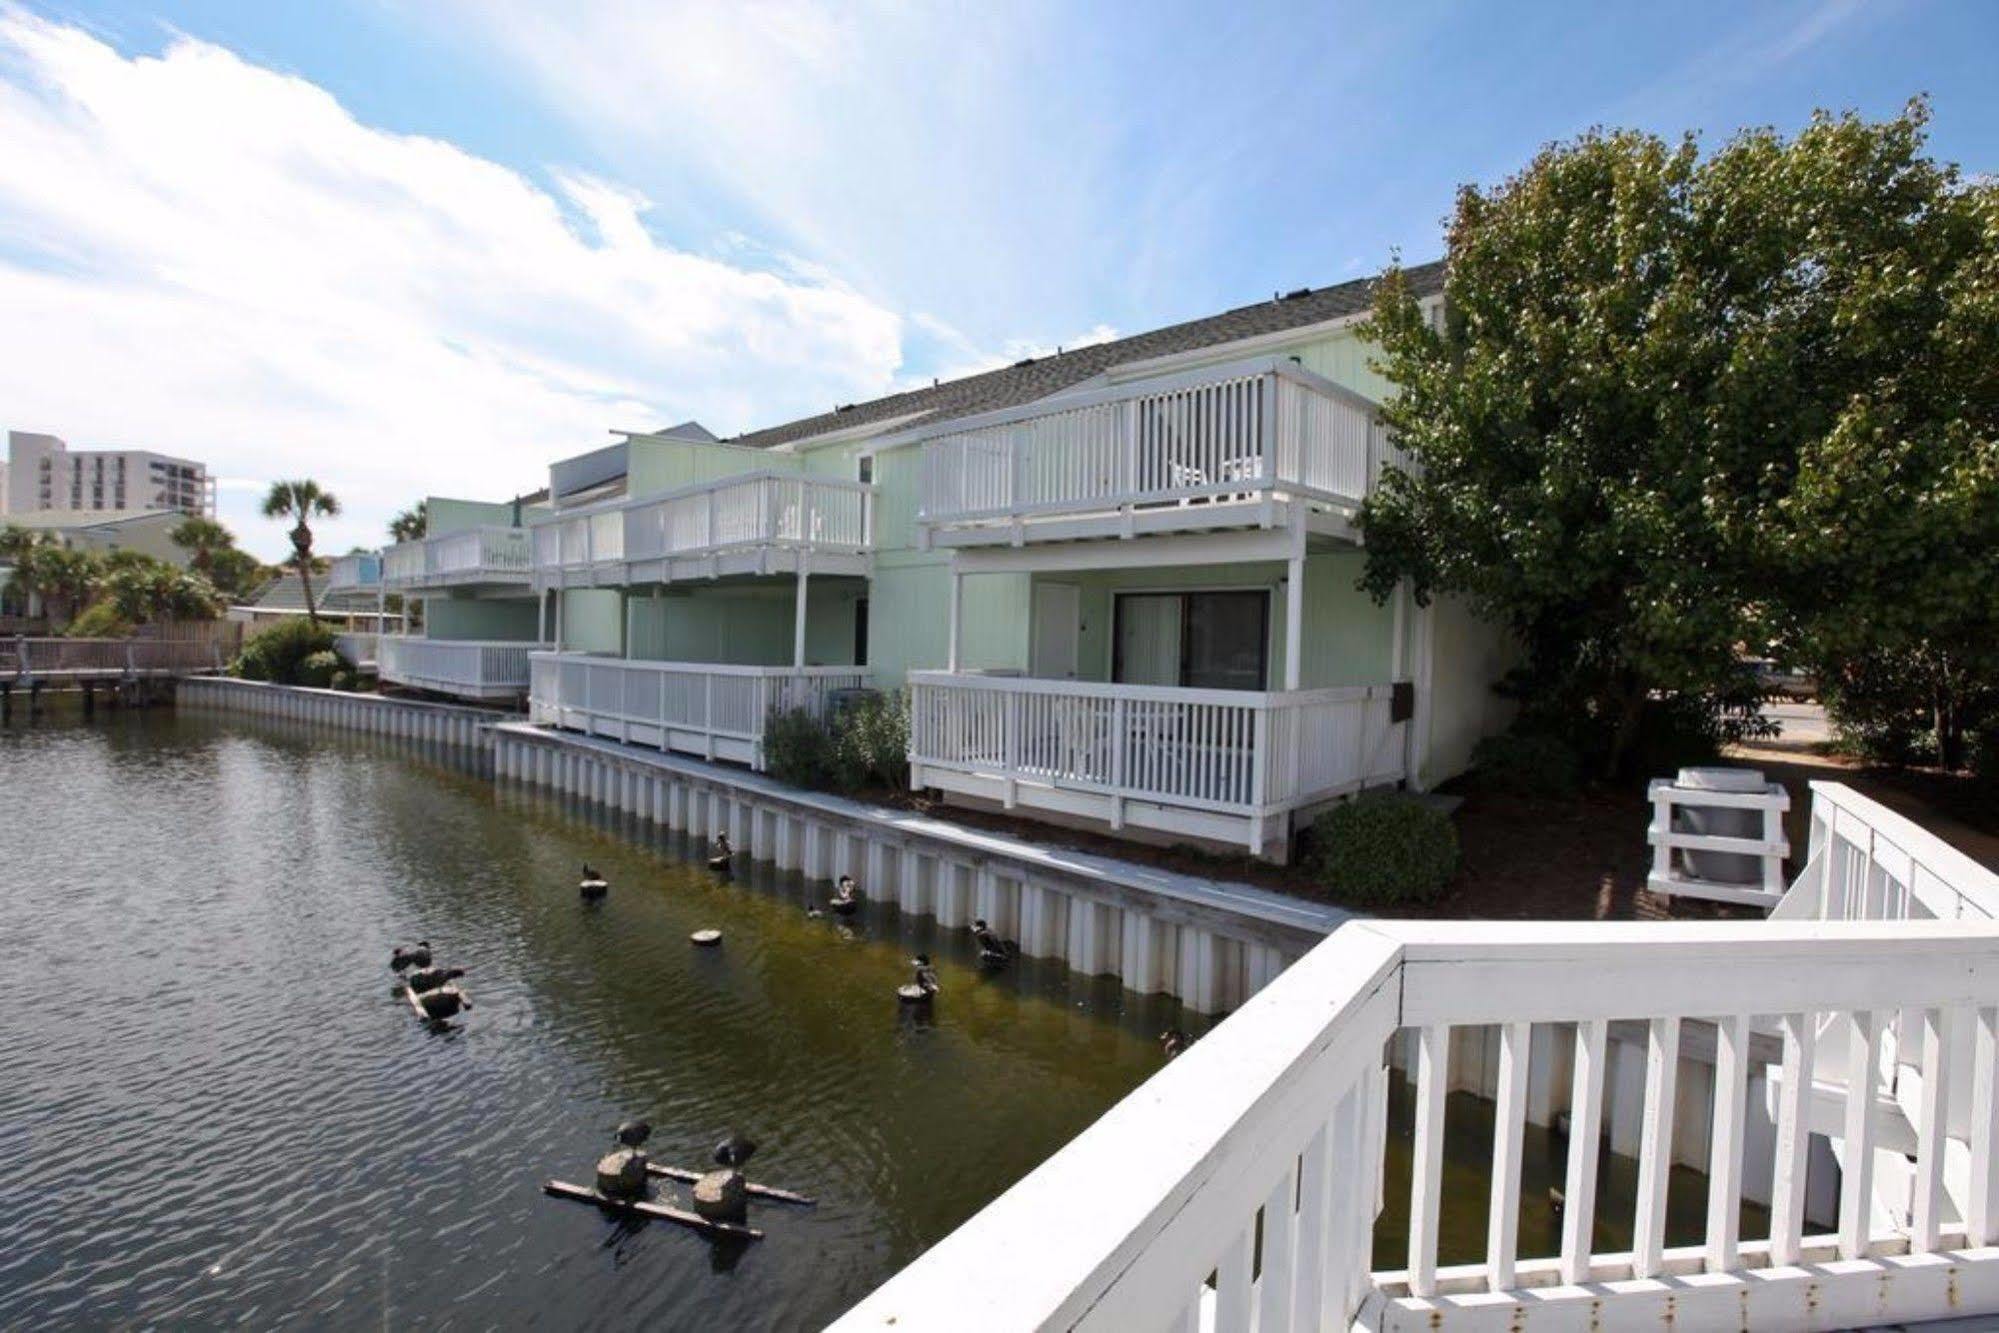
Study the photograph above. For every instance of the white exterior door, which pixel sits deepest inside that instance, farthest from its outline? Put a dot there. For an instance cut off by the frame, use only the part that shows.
(1053, 647)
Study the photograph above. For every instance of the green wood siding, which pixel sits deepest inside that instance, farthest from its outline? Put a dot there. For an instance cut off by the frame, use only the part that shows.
(653, 466)
(478, 618)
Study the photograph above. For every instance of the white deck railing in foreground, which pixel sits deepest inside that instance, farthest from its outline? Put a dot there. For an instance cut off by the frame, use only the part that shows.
(1220, 432)
(702, 708)
(468, 669)
(1154, 755)
(1238, 1188)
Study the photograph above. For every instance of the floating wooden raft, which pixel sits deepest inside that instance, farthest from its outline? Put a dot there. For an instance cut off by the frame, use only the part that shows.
(562, 1189)
(771, 1192)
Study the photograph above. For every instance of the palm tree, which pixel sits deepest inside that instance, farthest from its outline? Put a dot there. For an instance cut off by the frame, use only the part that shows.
(204, 537)
(66, 579)
(303, 501)
(412, 523)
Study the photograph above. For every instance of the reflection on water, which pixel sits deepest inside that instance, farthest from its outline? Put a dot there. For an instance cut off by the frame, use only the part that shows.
(213, 1107)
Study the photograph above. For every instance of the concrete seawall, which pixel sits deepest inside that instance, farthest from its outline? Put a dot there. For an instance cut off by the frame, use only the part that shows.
(1208, 943)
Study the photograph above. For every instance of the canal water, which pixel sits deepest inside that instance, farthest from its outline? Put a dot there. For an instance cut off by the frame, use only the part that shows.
(214, 1108)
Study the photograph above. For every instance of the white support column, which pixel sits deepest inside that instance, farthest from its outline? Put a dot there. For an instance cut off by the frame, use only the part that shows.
(1294, 608)
(798, 614)
(957, 601)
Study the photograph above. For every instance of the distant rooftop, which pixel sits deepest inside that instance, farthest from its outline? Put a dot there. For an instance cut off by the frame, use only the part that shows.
(83, 518)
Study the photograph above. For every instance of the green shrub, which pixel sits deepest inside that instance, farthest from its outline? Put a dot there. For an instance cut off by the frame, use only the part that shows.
(1527, 764)
(798, 748)
(871, 743)
(277, 652)
(865, 745)
(1384, 851)
(343, 680)
(100, 620)
(319, 669)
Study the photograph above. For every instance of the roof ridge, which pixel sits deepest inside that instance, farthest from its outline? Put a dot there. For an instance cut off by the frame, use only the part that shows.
(1037, 377)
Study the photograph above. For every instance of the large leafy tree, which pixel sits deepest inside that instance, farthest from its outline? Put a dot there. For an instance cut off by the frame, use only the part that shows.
(156, 591)
(214, 555)
(1655, 391)
(301, 501)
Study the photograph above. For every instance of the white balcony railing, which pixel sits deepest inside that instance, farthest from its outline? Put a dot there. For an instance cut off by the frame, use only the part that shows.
(758, 509)
(1229, 432)
(708, 709)
(348, 574)
(469, 556)
(1240, 1187)
(1253, 755)
(469, 669)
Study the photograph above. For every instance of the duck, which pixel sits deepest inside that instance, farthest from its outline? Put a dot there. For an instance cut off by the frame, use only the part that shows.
(846, 897)
(1173, 1041)
(593, 885)
(733, 1151)
(443, 1002)
(719, 855)
(923, 987)
(403, 958)
(430, 978)
(633, 1133)
(994, 952)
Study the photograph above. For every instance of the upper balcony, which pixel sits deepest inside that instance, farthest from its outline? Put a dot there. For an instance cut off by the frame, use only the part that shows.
(486, 559)
(1232, 446)
(757, 523)
(349, 575)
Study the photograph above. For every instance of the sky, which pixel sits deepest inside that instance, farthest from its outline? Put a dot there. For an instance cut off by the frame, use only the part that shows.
(415, 247)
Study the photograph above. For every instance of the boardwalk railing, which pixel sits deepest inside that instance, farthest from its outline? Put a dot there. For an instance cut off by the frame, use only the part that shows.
(712, 710)
(1219, 433)
(1251, 755)
(472, 555)
(756, 509)
(1240, 1187)
(469, 669)
(53, 658)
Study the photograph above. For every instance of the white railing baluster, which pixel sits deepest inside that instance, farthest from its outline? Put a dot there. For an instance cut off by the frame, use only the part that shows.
(1856, 1192)
(1314, 1211)
(1655, 1153)
(1724, 1198)
(1280, 1231)
(1426, 1171)
(1232, 1284)
(1793, 1145)
(1926, 1217)
(1585, 1132)
(1508, 1130)
(1982, 1211)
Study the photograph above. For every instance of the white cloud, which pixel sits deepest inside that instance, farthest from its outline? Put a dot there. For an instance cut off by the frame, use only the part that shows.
(949, 155)
(206, 257)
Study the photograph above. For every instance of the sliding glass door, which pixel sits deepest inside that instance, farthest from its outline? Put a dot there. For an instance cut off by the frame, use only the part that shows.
(1202, 640)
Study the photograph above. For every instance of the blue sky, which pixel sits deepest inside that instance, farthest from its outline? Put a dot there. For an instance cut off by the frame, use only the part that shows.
(420, 247)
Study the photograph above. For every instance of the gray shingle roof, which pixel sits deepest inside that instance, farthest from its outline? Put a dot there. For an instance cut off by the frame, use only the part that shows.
(1029, 380)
